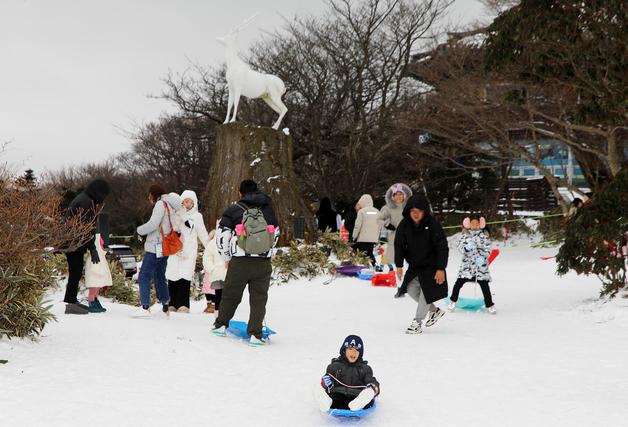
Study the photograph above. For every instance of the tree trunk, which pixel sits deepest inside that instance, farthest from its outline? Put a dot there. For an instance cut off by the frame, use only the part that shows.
(265, 156)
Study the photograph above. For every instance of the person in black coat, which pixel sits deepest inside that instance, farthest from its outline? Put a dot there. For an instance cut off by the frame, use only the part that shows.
(326, 216)
(348, 382)
(85, 205)
(422, 243)
(350, 217)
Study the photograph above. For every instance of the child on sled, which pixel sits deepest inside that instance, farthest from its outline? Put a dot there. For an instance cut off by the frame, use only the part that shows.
(348, 382)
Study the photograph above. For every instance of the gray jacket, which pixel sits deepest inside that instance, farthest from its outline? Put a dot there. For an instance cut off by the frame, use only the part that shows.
(159, 217)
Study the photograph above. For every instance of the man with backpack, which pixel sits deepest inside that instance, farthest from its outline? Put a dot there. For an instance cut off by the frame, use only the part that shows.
(246, 236)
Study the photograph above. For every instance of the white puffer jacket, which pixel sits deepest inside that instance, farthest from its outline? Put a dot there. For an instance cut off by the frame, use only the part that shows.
(367, 226)
(183, 263)
(213, 263)
(97, 275)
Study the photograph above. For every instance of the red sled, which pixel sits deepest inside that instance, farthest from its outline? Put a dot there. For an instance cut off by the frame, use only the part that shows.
(492, 256)
(384, 279)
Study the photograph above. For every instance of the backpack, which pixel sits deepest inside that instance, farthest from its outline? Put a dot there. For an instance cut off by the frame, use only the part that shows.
(254, 237)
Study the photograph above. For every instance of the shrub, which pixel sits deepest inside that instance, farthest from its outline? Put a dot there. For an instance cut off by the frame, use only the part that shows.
(32, 220)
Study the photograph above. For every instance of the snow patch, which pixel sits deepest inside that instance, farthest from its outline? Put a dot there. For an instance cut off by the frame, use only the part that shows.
(256, 161)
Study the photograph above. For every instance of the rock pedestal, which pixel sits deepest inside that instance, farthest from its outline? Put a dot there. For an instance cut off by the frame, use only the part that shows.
(265, 156)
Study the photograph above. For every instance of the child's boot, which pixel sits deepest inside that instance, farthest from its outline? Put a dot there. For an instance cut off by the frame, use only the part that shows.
(209, 308)
(362, 399)
(93, 308)
(322, 398)
(491, 310)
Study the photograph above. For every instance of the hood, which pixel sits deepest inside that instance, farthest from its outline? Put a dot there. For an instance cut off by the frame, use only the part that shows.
(418, 201)
(355, 342)
(366, 201)
(172, 199)
(98, 190)
(256, 199)
(189, 194)
(395, 188)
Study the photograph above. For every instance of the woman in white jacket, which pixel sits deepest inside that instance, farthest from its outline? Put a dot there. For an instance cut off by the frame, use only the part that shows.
(181, 266)
(97, 276)
(367, 227)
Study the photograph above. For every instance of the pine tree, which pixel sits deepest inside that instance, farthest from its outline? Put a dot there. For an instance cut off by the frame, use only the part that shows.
(595, 236)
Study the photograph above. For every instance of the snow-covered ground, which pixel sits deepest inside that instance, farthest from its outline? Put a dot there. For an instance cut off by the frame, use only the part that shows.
(552, 356)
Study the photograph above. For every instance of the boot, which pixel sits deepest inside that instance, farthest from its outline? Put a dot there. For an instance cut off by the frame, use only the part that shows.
(210, 308)
(94, 307)
(75, 308)
(97, 301)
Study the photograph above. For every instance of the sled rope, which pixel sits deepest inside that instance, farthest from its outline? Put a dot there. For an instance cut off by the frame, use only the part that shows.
(348, 386)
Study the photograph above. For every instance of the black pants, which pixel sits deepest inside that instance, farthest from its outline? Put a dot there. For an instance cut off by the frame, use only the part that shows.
(243, 271)
(341, 401)
(179, 293)
(215, 298)
(366, 248)
(486, 290)
(76, 262)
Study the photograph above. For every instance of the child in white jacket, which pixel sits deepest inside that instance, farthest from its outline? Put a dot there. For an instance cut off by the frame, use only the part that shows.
(215, 272)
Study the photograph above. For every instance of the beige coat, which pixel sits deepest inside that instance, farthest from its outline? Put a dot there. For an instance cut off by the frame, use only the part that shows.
(367, 226)
(392, 214)
(97, 275)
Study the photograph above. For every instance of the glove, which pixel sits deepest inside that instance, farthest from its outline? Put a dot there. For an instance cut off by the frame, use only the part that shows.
(470, 246)
(93, 253)
(480, 261)
(188, 224)
(326, 382)
(390, 227)
(362, 399)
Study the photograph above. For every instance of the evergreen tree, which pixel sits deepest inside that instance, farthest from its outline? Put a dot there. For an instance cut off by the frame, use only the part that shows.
(595, 236)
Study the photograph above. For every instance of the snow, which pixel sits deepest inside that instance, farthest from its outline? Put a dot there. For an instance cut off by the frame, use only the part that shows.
(256, 161)
(553, 355)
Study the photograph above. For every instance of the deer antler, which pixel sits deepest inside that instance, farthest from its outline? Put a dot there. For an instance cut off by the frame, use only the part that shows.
(237, 28)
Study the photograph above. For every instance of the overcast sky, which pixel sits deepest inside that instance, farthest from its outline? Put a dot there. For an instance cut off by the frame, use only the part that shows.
(72, 72)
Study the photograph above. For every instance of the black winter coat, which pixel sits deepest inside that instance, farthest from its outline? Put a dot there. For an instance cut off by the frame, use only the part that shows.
(85, 206)
(358, 374)
(326, 216)
(424, 246)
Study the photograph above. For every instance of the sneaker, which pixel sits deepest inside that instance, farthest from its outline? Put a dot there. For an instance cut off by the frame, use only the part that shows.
(75, 308)
(414, 328)
(256, 342)
(220, 331)
(434, 316)
(165, 309)
(491, 310)
(451, 306)
(183, 309)
(141, 312)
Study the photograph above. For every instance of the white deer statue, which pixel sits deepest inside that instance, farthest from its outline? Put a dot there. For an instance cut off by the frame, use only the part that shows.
(242, 80)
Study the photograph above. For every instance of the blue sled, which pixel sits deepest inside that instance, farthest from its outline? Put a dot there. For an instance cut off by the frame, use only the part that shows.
(352, 414)
(238, 328)
(470, 304)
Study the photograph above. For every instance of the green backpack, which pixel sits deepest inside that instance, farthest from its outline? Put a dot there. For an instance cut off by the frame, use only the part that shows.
(254, 237)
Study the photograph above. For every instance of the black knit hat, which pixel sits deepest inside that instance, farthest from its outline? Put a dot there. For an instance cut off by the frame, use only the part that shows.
(352, 341)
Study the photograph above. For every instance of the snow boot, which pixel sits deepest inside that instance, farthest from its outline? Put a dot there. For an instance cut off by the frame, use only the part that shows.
(183, 309)
(97, 301)
(94, 307)
(75, 308)
(491, 310)
(322, 398)
(171, 308)
(414, 328)
(362, 399)
(210, 308)
(434, 316)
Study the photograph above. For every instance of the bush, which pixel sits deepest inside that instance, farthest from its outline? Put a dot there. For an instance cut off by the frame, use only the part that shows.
(309, 261)
(594, 236)
(31, 221)
(122, 289)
